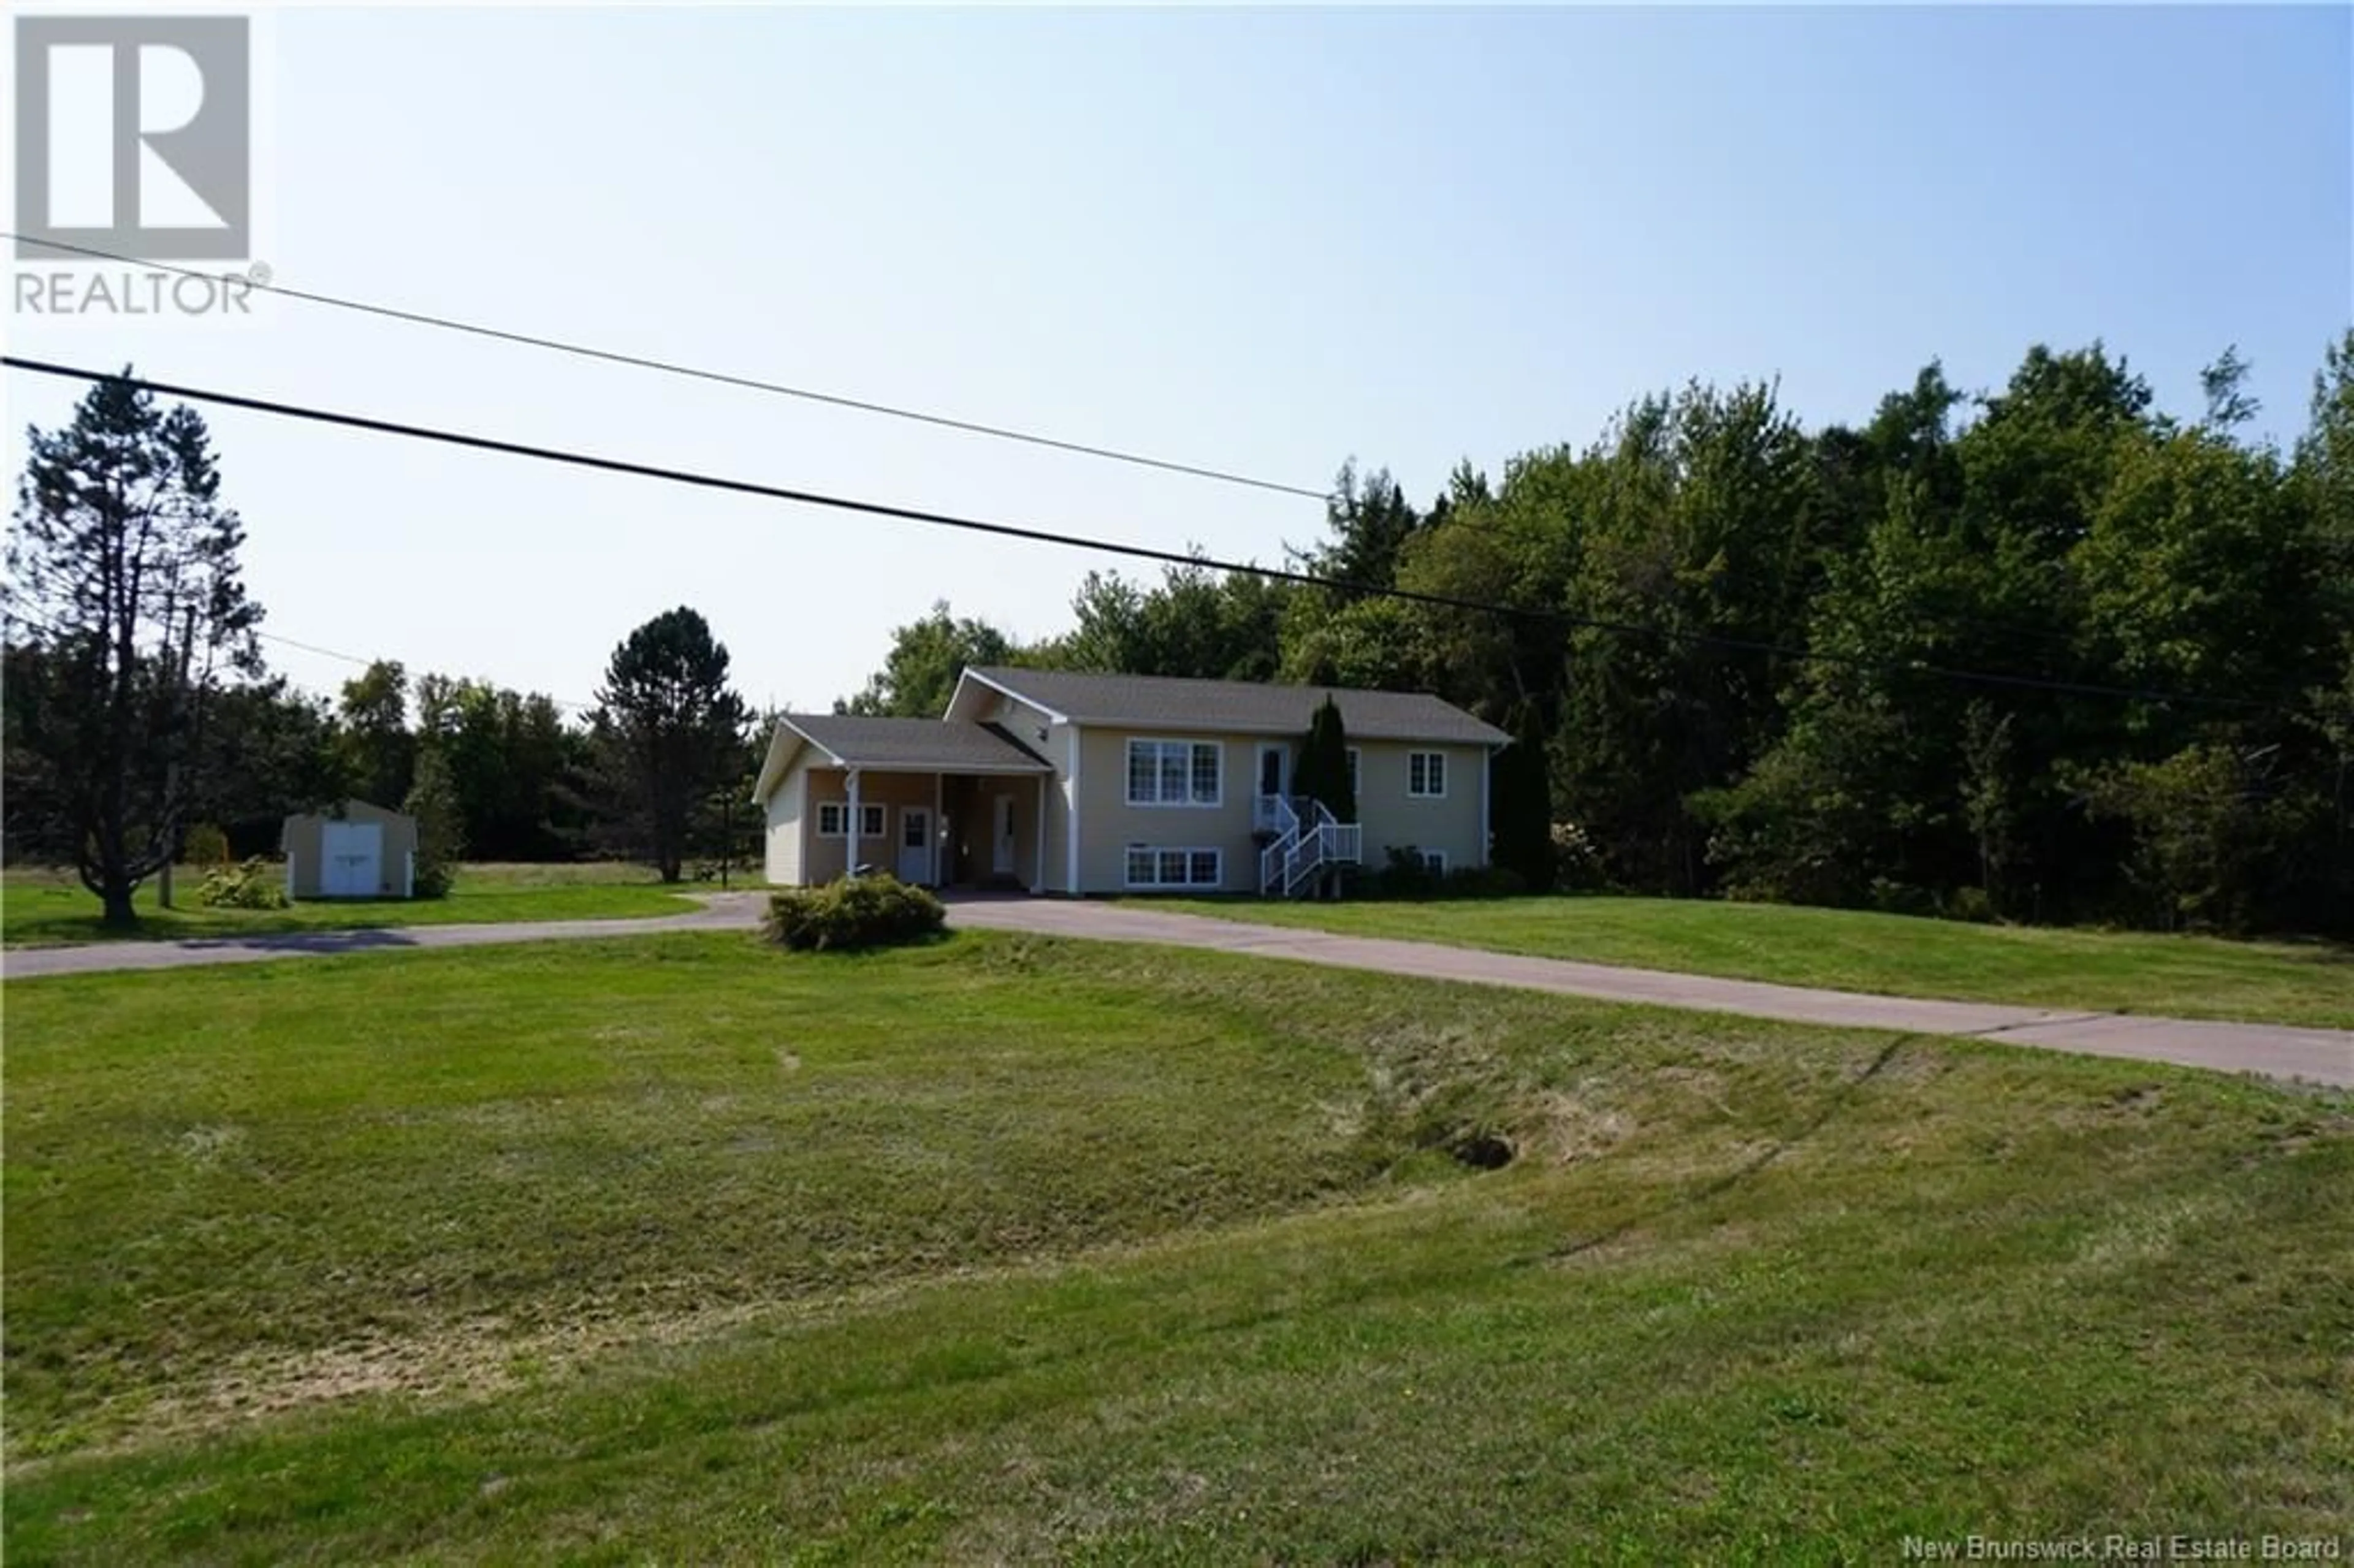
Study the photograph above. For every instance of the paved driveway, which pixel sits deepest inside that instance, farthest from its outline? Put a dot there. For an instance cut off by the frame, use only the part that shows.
(2273, 1050)
(721, 912)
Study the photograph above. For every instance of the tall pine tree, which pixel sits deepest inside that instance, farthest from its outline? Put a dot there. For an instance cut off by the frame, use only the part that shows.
(1322, 773)
(666, 732)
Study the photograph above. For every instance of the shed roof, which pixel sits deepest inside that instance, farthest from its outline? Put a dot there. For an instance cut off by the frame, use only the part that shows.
(345, 810)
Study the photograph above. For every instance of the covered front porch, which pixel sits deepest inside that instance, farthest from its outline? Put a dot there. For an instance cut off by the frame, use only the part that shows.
(935, 828)
(934, 803)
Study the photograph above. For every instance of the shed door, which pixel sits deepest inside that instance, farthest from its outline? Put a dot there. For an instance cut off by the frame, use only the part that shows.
(351, 858)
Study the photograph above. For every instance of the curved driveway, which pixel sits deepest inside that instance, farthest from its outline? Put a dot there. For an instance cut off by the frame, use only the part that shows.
(2274, 1050)
(2271, 1050)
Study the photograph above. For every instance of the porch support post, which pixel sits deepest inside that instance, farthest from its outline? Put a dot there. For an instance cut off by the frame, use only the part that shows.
(1040, 884)
(940, 825)
(1073, 741)
(850, 830)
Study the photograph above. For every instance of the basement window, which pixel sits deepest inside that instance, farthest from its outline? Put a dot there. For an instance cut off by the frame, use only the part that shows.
(1151, 865)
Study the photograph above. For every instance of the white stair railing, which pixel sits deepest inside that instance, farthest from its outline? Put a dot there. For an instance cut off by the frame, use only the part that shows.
(1309, 839)
(1274, 861)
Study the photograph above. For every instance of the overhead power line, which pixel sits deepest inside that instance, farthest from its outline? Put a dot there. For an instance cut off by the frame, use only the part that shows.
(565, 703)
(12, 612)
(693, 373)
(1080, 542)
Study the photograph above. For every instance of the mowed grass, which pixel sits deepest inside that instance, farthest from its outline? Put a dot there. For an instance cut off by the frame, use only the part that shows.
(1844, 950)
(1004, 1249)
(41, 907)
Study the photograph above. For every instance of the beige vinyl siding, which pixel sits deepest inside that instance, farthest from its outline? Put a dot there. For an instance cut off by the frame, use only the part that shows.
(1050, 738)
(826, 858)
(1022, 720)
(1392, 818)
(784, 854)
(1108, 824)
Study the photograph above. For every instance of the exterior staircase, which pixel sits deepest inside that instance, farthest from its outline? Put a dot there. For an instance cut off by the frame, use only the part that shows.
(1308, 842)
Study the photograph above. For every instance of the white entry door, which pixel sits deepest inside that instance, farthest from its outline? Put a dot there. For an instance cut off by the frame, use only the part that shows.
(916, 845)
(1001, 859)
(351, 858)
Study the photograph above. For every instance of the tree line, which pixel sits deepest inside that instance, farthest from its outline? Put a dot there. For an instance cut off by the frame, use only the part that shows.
(139, 709)
(2044, 653)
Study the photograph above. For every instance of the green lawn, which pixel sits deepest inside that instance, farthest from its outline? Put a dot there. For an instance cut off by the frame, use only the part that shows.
(1892, 955)
(42, 908)
(678, 1249)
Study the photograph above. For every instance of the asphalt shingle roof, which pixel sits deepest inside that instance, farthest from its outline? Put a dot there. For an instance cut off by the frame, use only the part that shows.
(916, 743)
(1169, 703)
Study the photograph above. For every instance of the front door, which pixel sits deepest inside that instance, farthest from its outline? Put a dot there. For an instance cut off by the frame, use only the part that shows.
(916, 845)
(1001, 859)
(1274, 769)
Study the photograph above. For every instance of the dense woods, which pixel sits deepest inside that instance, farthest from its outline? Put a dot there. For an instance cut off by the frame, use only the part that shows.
(2043, 654)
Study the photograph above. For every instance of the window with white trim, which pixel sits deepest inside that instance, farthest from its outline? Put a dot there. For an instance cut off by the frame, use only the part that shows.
(1434, 862)
(1426, 774)
(832, 815)
(1152, 865)
(1175, 772)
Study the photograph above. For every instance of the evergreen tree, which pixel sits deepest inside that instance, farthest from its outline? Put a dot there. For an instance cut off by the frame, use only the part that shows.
(1520, 805)
(1322, 773)
(667, 731)
(123, 570)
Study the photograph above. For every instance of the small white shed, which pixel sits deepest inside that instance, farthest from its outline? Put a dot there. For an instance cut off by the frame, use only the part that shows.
(353, 850)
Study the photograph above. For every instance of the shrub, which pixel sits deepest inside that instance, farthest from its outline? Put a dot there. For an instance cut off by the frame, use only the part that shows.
(857, 912)
(1407, 876)
(1482, 882)
(254, 883)
(440, 826)
(1971, 904)
(1891, 896)
(1577, 864)
(204, 844)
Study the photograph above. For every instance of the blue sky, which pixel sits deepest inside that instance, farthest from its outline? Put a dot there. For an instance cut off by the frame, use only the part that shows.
(1259, 241)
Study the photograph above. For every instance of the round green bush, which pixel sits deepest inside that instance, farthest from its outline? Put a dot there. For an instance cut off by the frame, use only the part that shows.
(856, 912)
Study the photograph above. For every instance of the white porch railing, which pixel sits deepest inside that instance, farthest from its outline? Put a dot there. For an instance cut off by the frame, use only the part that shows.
(1267, 812)
(1307, 838)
